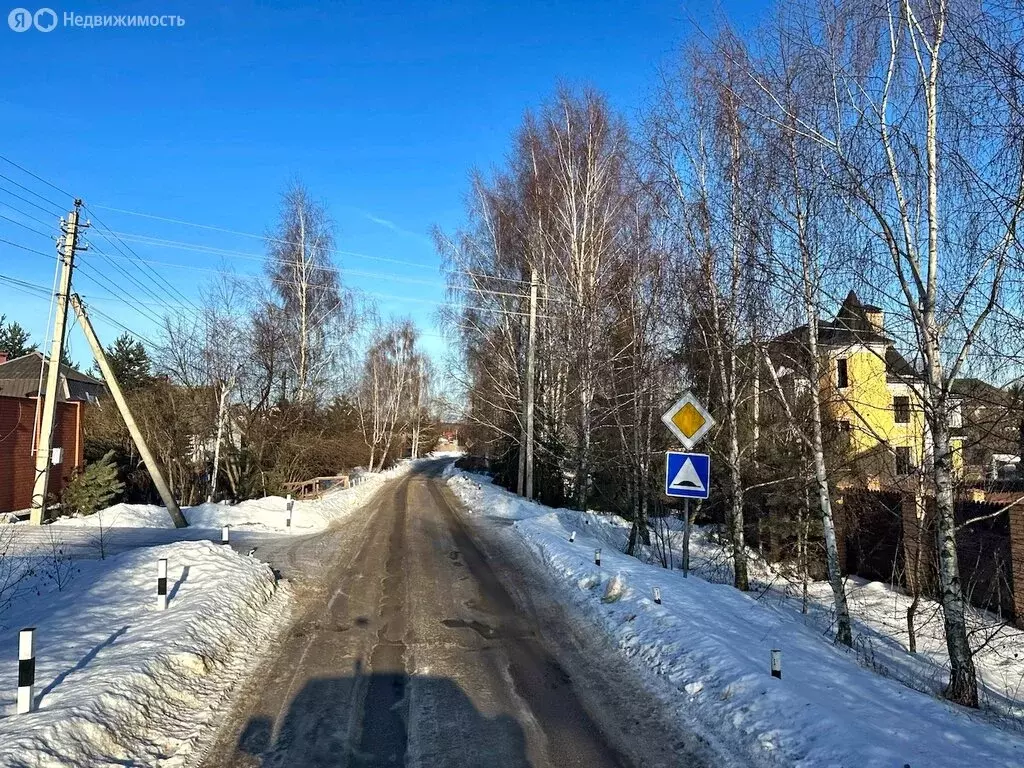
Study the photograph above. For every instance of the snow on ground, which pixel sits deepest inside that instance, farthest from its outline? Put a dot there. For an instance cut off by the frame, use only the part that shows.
(118, 681)
(266, 514)
(707, 647)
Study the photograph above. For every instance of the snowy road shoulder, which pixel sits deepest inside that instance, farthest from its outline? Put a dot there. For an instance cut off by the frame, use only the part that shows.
(267, 514)
(707, 647)
(120, 682)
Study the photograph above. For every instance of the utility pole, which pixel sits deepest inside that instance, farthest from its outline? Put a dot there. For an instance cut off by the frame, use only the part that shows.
(122, 405)
(44, 445)
(531, 356)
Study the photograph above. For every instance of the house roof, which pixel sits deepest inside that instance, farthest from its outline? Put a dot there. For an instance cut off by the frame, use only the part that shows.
(850, 326)
(20, 377)
(27, 367)
(980, 391)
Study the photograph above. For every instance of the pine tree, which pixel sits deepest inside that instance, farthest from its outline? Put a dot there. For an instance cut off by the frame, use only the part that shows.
(129, 361)
(93, 487)
(14, 339)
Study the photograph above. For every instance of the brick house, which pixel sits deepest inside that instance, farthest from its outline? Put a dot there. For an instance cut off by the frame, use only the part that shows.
(20, 411)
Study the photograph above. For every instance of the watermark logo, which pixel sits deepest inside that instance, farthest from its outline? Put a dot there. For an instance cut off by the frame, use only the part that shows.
(46, 20)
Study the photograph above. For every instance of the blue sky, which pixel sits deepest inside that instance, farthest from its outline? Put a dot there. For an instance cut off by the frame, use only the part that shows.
(382, 109)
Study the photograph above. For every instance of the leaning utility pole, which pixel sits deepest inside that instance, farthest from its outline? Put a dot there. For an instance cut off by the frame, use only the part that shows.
(122, 405)
(531, 354)
(44, 445)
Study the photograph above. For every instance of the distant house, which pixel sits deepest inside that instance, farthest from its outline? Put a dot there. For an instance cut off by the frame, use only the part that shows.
(993, 423)
(869, 392)
(20, 411)
(21, 377)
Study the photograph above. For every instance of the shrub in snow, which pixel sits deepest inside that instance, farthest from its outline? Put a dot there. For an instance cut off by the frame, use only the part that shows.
(14, 570)
(56, 564)
(92, 488)
(614, 589)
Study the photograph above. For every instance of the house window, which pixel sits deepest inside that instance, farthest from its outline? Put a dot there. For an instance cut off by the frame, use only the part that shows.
(903, 466)
(842, 374)
(956, 418)
(901, 406)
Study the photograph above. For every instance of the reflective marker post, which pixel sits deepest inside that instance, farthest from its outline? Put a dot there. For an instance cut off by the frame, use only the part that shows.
(777, 663)
(161, 585)
(597, 557)
(26, 670)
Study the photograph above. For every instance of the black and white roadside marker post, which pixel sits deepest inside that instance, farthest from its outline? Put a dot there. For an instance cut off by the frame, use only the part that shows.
(657, 595)
(224, 535)
(572, 537)
(597, 557)
(26, 670)
(776, 663)
(291, 506)
(161, 585)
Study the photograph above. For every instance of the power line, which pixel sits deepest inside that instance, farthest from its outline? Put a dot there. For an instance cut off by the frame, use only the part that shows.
(147, 239)
(25, 200)
(24, 226)
(104, 228)
(37, 178)
(183, 245)
(34, 194)
(30, 216)
(129, 276)
(97, 278)
(152, 344)
(26, 286)
(26, 248)
(340, 272)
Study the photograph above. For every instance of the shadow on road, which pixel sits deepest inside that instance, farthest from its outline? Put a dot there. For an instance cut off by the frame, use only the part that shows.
(320, 728)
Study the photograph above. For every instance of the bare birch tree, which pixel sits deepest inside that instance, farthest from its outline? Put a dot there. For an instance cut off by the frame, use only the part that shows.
(926, 148)
(301, 270)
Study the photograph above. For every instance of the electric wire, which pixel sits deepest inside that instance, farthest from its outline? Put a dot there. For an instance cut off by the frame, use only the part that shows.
(34, 193)
(24, 226)
(103, 229)
(36, 177)
(27, 202)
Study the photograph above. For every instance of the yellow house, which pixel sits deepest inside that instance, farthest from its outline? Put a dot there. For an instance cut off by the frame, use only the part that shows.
(871, 396)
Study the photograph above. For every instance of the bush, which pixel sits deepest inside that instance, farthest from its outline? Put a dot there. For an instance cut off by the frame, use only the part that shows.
(93, 487)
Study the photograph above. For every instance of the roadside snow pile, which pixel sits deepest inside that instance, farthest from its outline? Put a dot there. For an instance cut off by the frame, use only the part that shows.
(118, 681)
(711, 644)
(266, 514)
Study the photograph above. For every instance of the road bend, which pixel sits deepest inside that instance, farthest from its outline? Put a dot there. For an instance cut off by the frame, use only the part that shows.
(411, 651)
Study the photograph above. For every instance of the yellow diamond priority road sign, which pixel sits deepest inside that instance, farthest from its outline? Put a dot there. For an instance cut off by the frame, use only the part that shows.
(688, 420)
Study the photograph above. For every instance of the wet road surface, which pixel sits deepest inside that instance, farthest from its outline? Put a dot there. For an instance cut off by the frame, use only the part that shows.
(412, 652)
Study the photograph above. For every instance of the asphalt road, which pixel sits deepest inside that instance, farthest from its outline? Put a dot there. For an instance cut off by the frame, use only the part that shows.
(411, 651)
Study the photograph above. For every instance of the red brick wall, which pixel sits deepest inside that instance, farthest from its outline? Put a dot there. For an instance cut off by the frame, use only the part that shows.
(17, 462)
(1017, 561)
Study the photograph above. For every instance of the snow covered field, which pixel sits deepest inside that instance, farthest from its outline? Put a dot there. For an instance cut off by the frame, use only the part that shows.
(266, 514)
(118, 681)
(706, 650)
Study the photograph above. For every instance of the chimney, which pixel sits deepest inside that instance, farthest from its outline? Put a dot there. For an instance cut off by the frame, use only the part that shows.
(4, 356)
(876, 319)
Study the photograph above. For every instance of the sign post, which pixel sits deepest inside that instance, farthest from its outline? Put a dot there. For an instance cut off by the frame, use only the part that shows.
(687, 475)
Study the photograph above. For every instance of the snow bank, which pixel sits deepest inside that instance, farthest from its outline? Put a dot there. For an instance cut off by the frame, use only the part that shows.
(710, 646)
(266, 514)
(119, 682)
